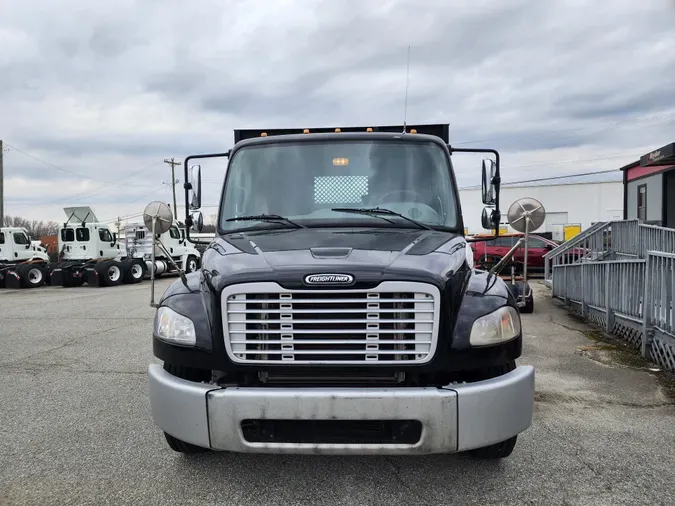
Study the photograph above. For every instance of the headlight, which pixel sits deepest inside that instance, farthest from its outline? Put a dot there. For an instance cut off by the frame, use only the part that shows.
(497, 327)
(173, 327)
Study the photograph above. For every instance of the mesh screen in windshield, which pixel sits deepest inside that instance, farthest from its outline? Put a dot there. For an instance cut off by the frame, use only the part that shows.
(340, 189)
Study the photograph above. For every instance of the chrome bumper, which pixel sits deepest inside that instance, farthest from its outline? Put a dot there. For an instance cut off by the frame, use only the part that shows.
(454, 418)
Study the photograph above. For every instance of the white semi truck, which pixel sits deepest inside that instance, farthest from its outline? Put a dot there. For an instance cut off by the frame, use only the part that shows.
(89, 251)
(22, 263)
(139, 244)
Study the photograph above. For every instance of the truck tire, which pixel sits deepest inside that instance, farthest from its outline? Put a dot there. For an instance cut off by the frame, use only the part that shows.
(504, 448)
(134, 271)
(110, 273)
(191, 375)
(191, 264)
(496, 451)
(32, 275)
(182, 447)
(528, 307)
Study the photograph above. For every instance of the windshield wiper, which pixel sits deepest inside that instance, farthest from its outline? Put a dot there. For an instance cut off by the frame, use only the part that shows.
(379, 211)
(265, 217)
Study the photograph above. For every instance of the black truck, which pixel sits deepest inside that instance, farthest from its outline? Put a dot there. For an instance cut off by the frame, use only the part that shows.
(338, 310)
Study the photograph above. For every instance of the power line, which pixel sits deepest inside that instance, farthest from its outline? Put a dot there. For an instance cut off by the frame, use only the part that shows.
(95, 191)
(550, 178)
(560, 162)
(49, 164)
(603, 126)
(161, 187)
(92, 191)
(106, 184)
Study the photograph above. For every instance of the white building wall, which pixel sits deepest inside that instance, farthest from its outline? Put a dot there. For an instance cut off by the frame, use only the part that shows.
(577, 203)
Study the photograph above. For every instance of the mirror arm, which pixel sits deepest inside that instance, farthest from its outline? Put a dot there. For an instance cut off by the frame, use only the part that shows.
(496, 180)
(187, 186)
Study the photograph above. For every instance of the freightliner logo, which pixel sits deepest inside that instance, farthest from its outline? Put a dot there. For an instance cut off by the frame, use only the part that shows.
(329, 279)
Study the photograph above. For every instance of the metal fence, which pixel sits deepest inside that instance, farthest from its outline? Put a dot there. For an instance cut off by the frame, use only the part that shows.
(632, 298)
(610, 241)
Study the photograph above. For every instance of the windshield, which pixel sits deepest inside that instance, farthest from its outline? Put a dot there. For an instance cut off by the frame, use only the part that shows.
(304, 181)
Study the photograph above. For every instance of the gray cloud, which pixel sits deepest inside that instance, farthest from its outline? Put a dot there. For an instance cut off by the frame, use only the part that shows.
(103, 89)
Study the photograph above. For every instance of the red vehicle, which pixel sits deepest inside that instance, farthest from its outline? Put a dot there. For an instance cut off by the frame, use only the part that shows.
(495, 249)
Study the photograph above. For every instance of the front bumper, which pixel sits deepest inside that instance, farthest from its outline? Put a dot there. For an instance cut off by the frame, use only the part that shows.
(454, 418)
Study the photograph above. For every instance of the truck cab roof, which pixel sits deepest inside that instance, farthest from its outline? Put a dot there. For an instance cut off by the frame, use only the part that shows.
(339, 136)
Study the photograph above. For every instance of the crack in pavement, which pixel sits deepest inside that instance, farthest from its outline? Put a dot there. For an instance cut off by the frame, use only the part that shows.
(401, 480)
(64, 345)
(546, 397)
(566, 327)
(40, 369)
(577, 452)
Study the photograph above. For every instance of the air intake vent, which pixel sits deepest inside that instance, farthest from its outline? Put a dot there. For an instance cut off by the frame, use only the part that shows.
(395, 323)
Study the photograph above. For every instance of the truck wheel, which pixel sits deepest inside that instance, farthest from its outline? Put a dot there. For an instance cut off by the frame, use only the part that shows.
(182, 447)
(32, 275)
(134, 271)
(191, 264)
(496, 451)
(529, 306)
(189, 374)
(110, 273)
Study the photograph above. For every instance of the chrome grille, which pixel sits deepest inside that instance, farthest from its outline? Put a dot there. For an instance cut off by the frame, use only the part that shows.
(395, 323)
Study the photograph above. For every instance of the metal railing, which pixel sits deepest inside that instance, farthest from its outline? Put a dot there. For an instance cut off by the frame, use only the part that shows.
(593, 239)
(632, 298)
(610, 240)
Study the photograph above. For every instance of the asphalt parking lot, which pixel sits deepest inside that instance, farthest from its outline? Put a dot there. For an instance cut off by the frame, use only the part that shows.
(75, 424)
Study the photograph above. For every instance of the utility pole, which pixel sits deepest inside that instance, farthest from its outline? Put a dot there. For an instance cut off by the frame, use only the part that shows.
(2, 197)
(173, 182)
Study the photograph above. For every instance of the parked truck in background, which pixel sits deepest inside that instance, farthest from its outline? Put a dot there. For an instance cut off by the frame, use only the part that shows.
(22, 262)
(139, 244)
(337, 310)
(90, 252)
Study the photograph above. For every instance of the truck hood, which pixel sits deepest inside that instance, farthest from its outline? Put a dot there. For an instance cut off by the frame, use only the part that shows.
(375, 254)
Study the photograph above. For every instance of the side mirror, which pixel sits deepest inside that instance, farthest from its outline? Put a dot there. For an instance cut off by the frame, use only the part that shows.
(28, 246)
(490, 219)
(196, 184)
(114, 234)
(548, 247)
(488, 187)
(197, 221)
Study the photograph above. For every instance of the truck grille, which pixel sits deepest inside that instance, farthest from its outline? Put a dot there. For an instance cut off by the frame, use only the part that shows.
(395, 323)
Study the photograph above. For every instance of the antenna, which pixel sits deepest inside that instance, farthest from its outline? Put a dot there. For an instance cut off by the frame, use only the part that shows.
(405, 100)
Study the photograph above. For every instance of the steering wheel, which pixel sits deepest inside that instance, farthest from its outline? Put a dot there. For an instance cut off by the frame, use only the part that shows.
(415, 196)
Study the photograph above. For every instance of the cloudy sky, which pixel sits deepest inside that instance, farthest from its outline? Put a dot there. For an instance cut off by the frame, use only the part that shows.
(94, 95)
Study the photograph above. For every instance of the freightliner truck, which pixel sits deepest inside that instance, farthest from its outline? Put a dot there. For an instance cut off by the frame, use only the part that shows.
(337, 310)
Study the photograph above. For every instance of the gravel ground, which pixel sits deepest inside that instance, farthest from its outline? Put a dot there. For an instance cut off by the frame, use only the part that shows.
(75, 424)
